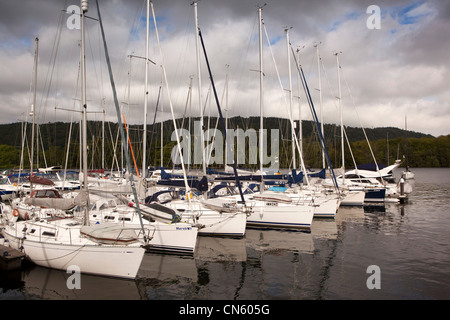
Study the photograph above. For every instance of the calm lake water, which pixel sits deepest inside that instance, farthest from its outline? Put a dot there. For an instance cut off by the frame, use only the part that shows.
(409, 244)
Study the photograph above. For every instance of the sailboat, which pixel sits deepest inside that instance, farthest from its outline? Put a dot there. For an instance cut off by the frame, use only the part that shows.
(208, 219)
(267, 208)
(407, 174)
(169, 236)
(356, 188)
(61, 241)
(376, 181)
(325, 204)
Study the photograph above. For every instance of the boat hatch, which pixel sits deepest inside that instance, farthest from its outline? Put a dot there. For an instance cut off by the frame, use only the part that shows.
(73, 224)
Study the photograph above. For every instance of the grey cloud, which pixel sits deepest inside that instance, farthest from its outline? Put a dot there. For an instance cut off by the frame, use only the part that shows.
(397, 64)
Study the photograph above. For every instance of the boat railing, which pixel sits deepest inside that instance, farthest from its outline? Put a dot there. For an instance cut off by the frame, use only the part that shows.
(146, 233)
(42, 231)
(302, 201)
(34, 229)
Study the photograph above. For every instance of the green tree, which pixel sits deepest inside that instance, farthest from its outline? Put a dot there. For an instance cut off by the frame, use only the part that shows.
(9, 157)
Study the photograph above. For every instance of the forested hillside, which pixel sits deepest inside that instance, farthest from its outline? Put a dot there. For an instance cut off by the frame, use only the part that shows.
(388, 144)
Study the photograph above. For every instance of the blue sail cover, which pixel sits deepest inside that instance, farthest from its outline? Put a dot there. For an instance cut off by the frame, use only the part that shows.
(321, 174)
(295, 178)
(212, 192)
(249, 177)
(291, 179)
(154, 197)
(200, 185)
(215, 172)
(166, 175)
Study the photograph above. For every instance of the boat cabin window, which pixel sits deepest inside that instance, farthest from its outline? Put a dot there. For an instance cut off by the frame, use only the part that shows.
(109, 217)
(124, 219)
(362, 180)
(73, 224)
(45, 194)
(18, 179)
(148, 218)
(48, 234)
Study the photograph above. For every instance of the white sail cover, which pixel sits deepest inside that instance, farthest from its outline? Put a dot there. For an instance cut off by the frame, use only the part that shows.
(115, 188)
(109, 233)
(59, 203)
(220, 204)
(272, 197)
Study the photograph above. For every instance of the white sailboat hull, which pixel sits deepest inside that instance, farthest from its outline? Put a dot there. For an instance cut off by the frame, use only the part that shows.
(325, 206)
(175, 238)
(281, 216)
(211, 222)
(353, 198)
(165, 237)
(121, 261)
(276, 211)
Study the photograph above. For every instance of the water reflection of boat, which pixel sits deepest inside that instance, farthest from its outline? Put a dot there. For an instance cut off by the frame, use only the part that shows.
(167, 267)
(375, 208)
(214, 249)
(209, 249)
(350, 214)
(51, 284)
(275, 240)
(324, 229)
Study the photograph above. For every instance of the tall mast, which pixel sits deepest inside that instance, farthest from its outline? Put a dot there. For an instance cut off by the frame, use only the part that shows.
(144, 140)
(161, 142)
(290, 97)
(33, 106)
(188, 189)
(261, 96)
(340, 111)
(320, 100)
(125, 143)
(300, 122)
(103, 136)
(84, 9)
(226, 114)
(202, 138)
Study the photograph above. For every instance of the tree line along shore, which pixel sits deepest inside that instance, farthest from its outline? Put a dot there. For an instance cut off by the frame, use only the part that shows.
(387, 143)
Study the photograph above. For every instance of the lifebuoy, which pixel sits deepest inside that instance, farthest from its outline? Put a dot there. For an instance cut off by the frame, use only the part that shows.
(15, 212)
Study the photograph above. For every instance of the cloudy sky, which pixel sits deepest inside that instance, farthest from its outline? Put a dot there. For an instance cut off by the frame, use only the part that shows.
(392, 68)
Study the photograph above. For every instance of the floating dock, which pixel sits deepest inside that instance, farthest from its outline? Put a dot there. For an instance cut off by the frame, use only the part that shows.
(10, 259)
